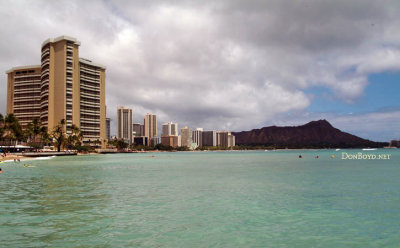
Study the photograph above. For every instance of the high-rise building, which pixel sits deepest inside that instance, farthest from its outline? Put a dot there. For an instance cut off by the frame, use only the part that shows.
(141, 140)
(64, 86)
(171, 140)
(23, 92)
(186, 137)
(197, 136)
(169, 129)
(124, 124)
(150, 126)
(174, 129)
(222, 139)
(231, 140)
(137, 129)
(225, 139)
(209, 138)
(108, 130)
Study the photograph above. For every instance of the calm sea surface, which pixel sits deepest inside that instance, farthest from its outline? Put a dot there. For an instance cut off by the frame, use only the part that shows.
(203, 199)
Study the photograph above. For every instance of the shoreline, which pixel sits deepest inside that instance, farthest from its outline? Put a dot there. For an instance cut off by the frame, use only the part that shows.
(30, 156)
(11, 157)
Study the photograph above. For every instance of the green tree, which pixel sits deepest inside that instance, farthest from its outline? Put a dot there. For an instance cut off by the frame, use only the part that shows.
(36, 133)
(58, 134)
(121, 144)
(11, 129)
(75, 138)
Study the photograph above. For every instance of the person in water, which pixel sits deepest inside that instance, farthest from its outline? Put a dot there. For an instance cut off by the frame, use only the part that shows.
(300, 156)
(1, 171)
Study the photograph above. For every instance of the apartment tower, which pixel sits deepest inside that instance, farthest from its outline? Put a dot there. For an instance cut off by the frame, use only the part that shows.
(108, 128)
(209, 138)
(197, 136)
(186, 137)
(64, 86)
(150, 126)
(169, 129)
(23, 92)
(124, 122)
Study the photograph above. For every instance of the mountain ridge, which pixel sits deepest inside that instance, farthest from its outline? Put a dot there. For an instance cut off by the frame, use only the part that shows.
(314, 134)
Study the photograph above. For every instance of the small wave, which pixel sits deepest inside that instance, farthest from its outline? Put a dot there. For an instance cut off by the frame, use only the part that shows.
(43, 158)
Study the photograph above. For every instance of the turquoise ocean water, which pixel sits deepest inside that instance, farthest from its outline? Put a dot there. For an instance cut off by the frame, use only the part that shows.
(203, 199)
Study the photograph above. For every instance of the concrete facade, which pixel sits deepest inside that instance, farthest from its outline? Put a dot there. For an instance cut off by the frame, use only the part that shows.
(71, 88)
(124, 124)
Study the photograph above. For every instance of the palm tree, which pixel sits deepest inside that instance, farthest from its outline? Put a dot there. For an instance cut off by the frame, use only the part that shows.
(35, 130)
(75, 138)
(11, 129)
(58, 134)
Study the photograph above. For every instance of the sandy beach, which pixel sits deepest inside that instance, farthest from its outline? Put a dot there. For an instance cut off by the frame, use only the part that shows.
(11, 157)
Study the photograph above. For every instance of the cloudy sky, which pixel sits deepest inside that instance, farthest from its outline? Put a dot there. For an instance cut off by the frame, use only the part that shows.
(228, 64)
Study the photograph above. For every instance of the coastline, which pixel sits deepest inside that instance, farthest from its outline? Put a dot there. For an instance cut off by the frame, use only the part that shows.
(11, 157)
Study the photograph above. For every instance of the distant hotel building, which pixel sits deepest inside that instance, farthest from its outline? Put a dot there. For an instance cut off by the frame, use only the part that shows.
(64, 86)
(124, 124)
(169, 134)
(137, 129)
(169, 129)
(170, 140)
(209, 138)
(218, 138)
(23, 93)
(225, 139)
(197, 136)
(108, 130)
(186, 137)
(150, 126)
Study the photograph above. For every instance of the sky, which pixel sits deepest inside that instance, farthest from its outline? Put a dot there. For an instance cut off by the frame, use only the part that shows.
(229, 65)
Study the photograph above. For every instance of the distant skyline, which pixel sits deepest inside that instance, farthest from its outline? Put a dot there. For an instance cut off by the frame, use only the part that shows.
(228, 65)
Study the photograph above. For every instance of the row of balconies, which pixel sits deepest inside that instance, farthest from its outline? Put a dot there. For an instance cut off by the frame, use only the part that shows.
(90, 79)
(85, 67)
(34, 114)
(45, 53)
(22, 98)
(44, 105)
(87, 104)
(90, 98)
(88, 111)
(24, 76)
(32, 90)
(45, 72)
(89, 87)
(25, 106)
(45, 61)
(27, 83)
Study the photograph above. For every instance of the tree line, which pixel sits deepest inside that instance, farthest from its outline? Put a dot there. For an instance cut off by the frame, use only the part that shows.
(37, 136)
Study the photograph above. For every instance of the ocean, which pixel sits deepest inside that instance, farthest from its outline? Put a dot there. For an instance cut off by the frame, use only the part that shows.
(204, 199)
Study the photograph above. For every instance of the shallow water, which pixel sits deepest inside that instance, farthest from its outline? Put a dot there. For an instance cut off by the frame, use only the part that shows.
(202, 199)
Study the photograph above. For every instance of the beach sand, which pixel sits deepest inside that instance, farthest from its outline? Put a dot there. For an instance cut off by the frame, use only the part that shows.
(11, 157)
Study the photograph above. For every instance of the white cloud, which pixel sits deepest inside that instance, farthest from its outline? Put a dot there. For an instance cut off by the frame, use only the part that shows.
(227, 64)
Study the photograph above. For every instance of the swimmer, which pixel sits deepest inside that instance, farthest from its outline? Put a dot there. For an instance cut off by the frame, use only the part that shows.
(1, 171)
(300, 156)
